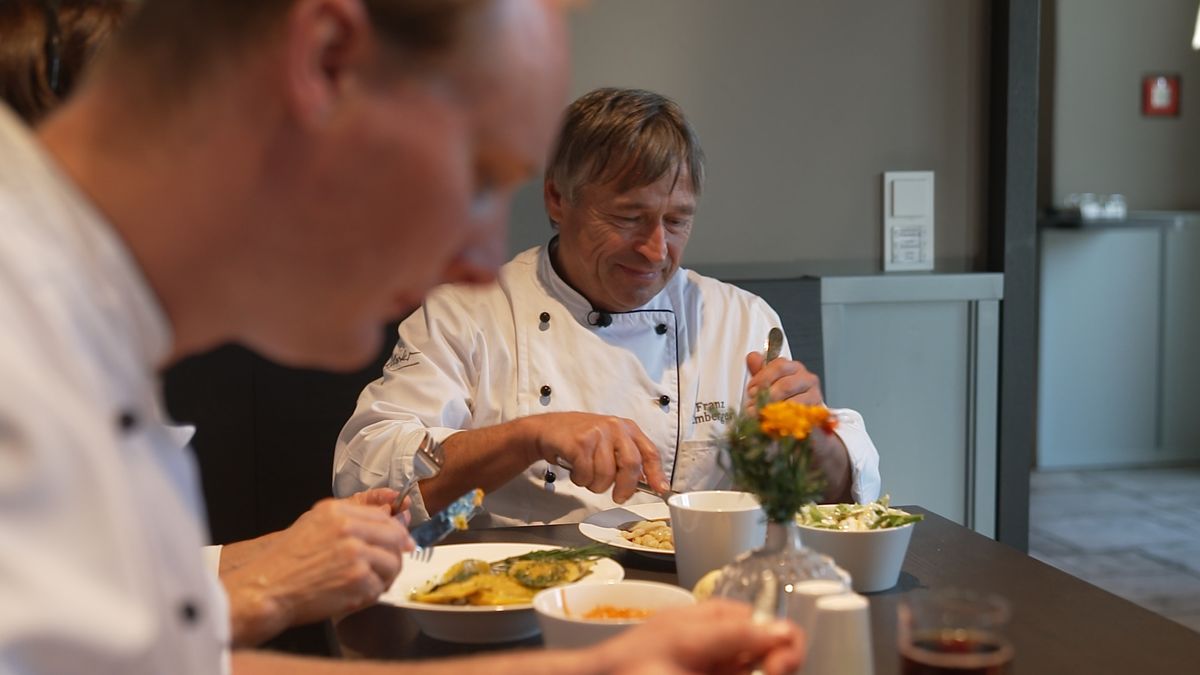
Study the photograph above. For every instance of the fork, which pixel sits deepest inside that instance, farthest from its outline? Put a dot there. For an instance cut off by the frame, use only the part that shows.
(453, 517)
(421, 554)
(428, 461)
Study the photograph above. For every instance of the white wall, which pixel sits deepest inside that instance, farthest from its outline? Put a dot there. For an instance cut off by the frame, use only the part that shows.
(800, 107)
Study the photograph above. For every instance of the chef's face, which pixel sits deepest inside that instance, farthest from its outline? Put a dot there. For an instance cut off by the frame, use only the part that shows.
(412, 189)
(619, 249)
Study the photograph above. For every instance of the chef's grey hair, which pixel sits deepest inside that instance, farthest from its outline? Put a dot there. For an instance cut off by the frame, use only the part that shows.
(631, 136)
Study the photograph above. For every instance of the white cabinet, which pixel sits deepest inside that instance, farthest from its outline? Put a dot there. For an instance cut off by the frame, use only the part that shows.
(1180, 386)
(917, 355)
(1119, 344)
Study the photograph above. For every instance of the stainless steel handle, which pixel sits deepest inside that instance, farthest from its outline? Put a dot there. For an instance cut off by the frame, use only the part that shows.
(774, 345)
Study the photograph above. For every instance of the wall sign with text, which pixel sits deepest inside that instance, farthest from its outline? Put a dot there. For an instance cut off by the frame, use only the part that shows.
(1160, 95)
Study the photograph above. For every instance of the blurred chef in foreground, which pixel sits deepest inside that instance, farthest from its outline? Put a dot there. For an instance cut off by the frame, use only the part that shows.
(308, 571)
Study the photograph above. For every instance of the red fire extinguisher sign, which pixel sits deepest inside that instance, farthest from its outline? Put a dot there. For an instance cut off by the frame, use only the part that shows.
(1160, 96)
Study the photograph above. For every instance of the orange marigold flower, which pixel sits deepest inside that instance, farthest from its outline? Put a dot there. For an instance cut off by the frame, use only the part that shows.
(788, 418)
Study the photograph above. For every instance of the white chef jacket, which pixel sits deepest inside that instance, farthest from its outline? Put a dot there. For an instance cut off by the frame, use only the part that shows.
(474, 357)
(100, 510)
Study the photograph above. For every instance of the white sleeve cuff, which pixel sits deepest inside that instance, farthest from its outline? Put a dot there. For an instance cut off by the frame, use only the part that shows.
(212, 559)
(865, 481)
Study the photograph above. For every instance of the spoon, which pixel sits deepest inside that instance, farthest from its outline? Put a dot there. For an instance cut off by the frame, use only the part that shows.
(774, 345)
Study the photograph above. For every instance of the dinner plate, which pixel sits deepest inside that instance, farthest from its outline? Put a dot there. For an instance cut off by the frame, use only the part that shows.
(466, 623)
(602, 526)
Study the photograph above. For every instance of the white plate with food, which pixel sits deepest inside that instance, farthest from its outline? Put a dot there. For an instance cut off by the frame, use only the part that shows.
(438, 592)
(644, 528)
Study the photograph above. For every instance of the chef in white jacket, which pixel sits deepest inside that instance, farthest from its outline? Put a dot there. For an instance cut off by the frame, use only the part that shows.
(596, 349)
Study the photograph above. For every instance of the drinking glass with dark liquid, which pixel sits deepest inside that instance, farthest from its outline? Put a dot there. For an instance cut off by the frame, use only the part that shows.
(954, 633)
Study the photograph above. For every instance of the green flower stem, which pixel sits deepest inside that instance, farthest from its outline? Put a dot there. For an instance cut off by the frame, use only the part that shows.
(779, 471)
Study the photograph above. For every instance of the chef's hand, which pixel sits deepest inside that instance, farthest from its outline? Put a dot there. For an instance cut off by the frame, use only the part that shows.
(337, 557)
(715, 636)
(604, 451)
(789, 380)
(786, 380)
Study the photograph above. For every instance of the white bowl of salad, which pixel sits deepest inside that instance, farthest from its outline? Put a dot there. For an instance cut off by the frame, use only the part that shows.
(867, 540)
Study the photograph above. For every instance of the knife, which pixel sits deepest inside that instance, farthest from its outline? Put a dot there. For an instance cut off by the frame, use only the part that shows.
(452, 518)
(642, 486)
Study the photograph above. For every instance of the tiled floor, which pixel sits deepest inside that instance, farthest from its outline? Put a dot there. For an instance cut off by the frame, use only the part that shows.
(1134, 532)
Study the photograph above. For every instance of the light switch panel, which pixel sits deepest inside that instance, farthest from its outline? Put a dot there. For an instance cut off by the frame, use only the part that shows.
(907, 221)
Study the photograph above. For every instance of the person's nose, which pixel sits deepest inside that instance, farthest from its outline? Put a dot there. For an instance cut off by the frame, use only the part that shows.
(654, 246)
(480, 259)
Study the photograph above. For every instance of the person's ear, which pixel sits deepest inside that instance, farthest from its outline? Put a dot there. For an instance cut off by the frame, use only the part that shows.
(555, 202)
(327, 42)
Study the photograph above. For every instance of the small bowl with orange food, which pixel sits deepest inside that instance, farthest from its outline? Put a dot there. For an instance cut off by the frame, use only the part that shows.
(579, 615)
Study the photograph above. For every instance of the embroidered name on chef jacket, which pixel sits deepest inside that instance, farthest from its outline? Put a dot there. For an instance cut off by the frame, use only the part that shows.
(402, 357)
(711, 411)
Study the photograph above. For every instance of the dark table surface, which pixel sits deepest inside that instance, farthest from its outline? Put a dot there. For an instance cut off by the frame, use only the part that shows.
(1061, 625)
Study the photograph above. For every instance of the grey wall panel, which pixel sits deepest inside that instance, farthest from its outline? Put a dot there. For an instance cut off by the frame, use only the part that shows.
(1181, 341)
(798, 303)
(1102, 143)
(801, 106)
(1012, 249)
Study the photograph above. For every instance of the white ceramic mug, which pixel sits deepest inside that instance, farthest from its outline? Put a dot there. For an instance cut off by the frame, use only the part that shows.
(711, 528)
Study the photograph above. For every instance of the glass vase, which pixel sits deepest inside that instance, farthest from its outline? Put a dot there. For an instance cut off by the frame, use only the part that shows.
(791, 565)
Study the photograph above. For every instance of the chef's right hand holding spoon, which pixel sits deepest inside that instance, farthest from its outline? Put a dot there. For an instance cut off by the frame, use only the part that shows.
(784, 378)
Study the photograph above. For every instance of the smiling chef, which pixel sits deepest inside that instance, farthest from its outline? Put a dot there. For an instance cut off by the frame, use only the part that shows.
(594, 352)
